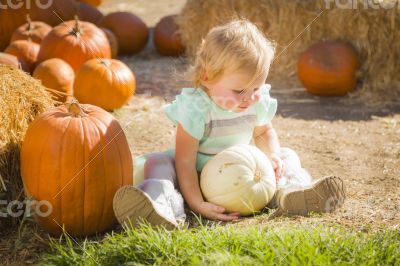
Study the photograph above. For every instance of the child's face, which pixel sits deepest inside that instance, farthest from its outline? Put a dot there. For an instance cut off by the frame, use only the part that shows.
(232, 91)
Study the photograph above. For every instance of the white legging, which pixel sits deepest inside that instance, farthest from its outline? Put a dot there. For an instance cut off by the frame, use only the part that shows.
(160, 180)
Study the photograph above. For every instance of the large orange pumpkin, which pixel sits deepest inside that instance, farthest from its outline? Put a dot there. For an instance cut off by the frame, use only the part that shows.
(33, 30)
(51, 12)
(329, 68)
(75, 42)
(105, 83)
(167, 38)
(89, 13)
(131, 32)
(73, 160)
(92, 2)
(112, 40)
(57, 75)
(12, 60)
(24, 50)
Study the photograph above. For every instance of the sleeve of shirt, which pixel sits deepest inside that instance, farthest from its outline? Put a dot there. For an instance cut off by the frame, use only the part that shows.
(188, 109)
(266, 106)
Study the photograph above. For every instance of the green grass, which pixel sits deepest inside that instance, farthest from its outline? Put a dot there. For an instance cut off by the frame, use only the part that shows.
(231, 245)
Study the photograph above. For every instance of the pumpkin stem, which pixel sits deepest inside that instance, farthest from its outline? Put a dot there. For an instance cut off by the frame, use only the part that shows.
(75, 109)
(77, 28)
(29, 21)
(257, 176)
(105, 62)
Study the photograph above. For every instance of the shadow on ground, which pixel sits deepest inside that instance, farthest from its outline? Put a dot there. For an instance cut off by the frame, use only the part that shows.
(297, 103)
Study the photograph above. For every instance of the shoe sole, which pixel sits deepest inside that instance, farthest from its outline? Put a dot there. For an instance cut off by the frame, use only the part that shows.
(132, 204)
(326, 195)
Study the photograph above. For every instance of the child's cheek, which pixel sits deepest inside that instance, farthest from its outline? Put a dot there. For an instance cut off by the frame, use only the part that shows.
(226, 101)
(232, 101)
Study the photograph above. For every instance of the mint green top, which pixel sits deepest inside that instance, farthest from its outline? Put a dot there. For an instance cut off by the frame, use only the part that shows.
(214, 127)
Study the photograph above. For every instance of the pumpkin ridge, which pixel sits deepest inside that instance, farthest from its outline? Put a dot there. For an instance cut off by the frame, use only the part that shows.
(66, 178)
(44, 146)
(120, 183)
(252, 162)
(60, 166)
(103, 147)
(82, 225)
(93, 129)
(41, 155)
(83, 174)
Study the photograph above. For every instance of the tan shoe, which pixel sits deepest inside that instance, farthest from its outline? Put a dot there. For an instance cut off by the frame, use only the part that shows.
(132, 205)
(324, 195)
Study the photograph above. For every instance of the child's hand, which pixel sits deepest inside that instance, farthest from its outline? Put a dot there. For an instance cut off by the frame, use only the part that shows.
(277, 164)
(214, 212)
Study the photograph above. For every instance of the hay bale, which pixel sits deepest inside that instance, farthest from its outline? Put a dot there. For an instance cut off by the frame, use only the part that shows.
(297, 24)
(22, 98)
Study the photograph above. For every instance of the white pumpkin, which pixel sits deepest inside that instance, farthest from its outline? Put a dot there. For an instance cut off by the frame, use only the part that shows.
(240, 179)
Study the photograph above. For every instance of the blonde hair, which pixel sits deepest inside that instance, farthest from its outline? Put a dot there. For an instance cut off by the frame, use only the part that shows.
(236, 46)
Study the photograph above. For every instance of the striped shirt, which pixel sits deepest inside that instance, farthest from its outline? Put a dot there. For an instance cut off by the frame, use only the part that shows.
(214, 127)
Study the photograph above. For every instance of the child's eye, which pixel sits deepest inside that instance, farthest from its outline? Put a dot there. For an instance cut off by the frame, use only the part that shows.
(243, 91)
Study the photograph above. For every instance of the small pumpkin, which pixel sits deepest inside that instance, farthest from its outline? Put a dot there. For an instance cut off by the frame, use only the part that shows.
(240, 179)
(11, 60)
(107, 83)
(167, 39)
(112, 40)
(50, 12)
(329, 68)
(75, 42)
(24, 50)
(33, 30)
(57, 75)
(73, 159)
(131, 32)
(89, 13)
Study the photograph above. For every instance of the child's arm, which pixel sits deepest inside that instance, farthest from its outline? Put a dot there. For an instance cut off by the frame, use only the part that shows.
(266, 139)
(185, 164)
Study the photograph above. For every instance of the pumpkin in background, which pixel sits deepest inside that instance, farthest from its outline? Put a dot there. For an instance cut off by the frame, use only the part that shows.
(167, 38)
(12, 60)
(89, 13)
(24, 50)
(131, 32)
(33, 30)
(73, 160)
(54, 13)
(107, 83)
(57, 75)
(112, 40)
(75, 42)
(92, 2)
(329, 68)
(240, 179)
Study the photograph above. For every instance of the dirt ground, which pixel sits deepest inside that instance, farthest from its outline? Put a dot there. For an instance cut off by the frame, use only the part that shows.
(333, 136)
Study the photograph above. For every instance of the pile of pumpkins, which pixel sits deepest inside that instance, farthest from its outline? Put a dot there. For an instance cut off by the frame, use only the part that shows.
(75, 156)
(77, 56)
